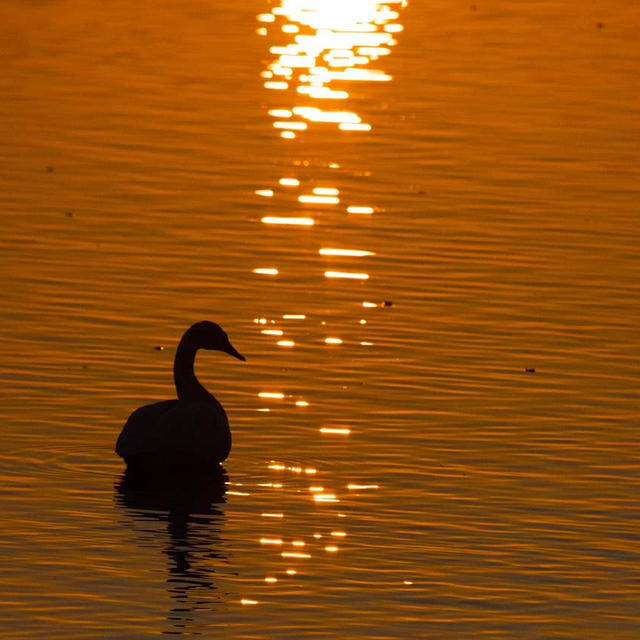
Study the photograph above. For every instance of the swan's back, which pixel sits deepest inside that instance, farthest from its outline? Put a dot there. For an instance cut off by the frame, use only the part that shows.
(176, 433)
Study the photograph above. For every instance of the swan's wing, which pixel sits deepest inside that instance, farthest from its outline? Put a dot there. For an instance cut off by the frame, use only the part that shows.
(195, 428)
(140, 430)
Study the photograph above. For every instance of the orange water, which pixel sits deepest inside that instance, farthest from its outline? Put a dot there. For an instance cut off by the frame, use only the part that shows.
(427, 485)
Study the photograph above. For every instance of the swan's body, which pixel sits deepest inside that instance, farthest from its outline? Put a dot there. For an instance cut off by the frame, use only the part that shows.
(190, 432)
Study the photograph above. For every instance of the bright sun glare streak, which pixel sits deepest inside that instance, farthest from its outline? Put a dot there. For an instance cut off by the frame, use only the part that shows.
(361, 210)
(325, 497)
(300, 126)
(303, 222)
(339, 430)
(307, 199)
(266, 272)
(354, 253)
(318, 45)
(354, 126)
(346, 274)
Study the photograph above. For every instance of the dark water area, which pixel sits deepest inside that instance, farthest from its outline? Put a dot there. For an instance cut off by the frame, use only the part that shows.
(418, 221)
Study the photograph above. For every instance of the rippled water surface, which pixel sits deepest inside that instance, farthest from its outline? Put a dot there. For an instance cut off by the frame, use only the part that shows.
(418, 221)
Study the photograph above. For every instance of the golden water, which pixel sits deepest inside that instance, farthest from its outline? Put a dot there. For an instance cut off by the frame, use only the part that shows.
(399, 470)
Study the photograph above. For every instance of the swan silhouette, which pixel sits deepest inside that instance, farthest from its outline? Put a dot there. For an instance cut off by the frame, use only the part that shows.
(190, 433)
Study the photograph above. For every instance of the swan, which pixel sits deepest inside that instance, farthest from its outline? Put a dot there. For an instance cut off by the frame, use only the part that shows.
(191, 432)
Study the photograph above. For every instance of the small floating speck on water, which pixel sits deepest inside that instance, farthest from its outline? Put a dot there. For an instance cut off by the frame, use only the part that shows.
(529, 370)
(387, 303)
(159, 347)
(49, 169)
(69, 214)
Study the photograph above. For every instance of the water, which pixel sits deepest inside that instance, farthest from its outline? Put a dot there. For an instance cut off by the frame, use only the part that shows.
(472, 497)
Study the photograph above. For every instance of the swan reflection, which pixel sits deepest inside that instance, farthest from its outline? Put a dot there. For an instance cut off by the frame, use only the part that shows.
(191, 540)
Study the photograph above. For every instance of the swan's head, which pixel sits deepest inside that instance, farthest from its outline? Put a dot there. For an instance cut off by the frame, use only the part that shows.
(209, 335)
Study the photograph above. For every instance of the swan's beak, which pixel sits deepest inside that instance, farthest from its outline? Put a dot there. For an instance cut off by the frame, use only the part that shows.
(232, 352)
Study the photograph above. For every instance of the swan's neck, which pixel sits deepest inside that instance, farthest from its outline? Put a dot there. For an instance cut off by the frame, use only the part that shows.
(187, 385)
